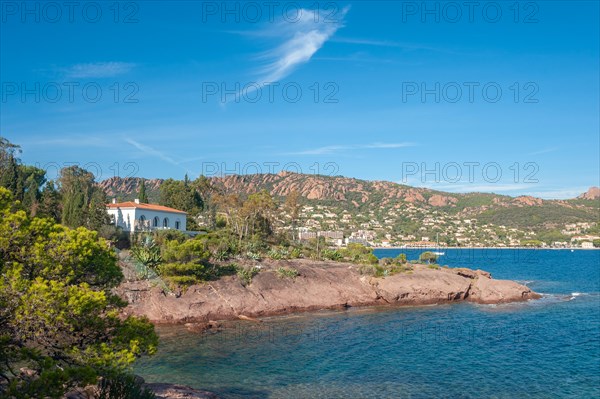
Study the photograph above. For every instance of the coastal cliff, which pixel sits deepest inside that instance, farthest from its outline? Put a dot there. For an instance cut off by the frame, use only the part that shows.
(318, 285)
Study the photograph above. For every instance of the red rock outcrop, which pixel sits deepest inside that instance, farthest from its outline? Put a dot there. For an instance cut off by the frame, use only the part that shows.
(528, 200)
(591, 194)
(441, 200)
(115, 185)
(319, 285)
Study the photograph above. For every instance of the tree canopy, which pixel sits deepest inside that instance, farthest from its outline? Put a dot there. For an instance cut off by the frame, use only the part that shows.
(180, 195)
(143, 197)
(428, 257)
(23, 181)
(83, 202)
(58, 316)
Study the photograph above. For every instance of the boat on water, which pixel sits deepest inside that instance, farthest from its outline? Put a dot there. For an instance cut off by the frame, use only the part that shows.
(437, 242)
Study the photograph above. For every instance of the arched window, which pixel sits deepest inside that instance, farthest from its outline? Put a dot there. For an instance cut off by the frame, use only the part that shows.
(177, 224)
(142, 219)
(155, 222)
(165, 222)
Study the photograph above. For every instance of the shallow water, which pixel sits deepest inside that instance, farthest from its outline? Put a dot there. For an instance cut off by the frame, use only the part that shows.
(548, 348)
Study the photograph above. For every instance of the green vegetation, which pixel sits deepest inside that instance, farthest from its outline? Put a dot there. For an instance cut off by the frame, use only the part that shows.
(250, 217)
(287, 272)
(123, 386)
(428, 257)
(148, 253)
(180, 195)
(185, 262)
(246, 274)
(358, 253)
(531, 243)
(58, 316)
(83, 202)
(536, 217)
(142, 196)
(386, 267)
(331, 254)
(278, 253)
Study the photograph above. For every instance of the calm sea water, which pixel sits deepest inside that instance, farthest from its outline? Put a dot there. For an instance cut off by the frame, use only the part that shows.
(549, 348)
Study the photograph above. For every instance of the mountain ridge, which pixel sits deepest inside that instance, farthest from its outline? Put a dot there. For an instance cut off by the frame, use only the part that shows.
(320, 187)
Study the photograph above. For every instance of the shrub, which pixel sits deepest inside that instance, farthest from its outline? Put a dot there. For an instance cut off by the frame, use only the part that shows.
(428, 257)
(284, 272)
(274, 254)
(401, 259)
(191, 273)
(252, 256)
(358, 253)
(331, 254)
(123, 386)
(183, 274)
(162, 236)
(255, 244)
(246, 274)
(371, 259)
(221, 254)
(386, 261)
(368, 270)
(278, 254)
(384, 269)
(187, 251)
(295, 253)
(115, 235)
(148, 253)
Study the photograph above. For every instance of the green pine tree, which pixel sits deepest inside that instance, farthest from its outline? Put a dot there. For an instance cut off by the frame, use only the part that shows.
(142, 192)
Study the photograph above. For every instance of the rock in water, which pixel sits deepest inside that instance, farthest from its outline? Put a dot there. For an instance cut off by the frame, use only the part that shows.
(320, 285)
(172, 391)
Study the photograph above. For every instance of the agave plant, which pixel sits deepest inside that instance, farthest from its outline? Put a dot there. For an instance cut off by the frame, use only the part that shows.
(148, 253)
(274, 254)
(252, 255)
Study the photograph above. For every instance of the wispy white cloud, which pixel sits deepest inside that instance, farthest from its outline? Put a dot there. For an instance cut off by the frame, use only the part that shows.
(367, 42)
(297, 41)
(394, 44)
(330, 149)
(152, 151)
(98, 70)
(544, 151)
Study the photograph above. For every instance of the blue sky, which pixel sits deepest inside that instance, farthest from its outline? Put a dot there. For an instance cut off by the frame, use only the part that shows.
(495, 98)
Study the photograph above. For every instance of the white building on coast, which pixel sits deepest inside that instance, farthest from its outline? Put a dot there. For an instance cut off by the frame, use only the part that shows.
(133, 216)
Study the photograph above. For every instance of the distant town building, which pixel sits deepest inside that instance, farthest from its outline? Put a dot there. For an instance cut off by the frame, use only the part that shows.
(133, 216)
(575, 239)
(307, 235)
(357, 240)
(422, 244)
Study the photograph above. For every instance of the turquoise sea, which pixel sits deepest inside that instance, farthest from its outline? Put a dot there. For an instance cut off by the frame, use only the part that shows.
(548, 348)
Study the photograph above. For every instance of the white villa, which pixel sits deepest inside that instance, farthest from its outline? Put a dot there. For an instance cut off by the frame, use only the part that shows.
(132, 216)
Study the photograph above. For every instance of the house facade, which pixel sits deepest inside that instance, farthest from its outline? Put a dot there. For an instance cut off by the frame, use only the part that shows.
(133, 216)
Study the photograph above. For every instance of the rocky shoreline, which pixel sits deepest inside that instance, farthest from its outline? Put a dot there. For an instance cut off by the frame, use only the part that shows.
(318, 285)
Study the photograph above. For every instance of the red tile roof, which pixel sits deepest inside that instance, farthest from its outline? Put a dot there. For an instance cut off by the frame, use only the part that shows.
(150, 207)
